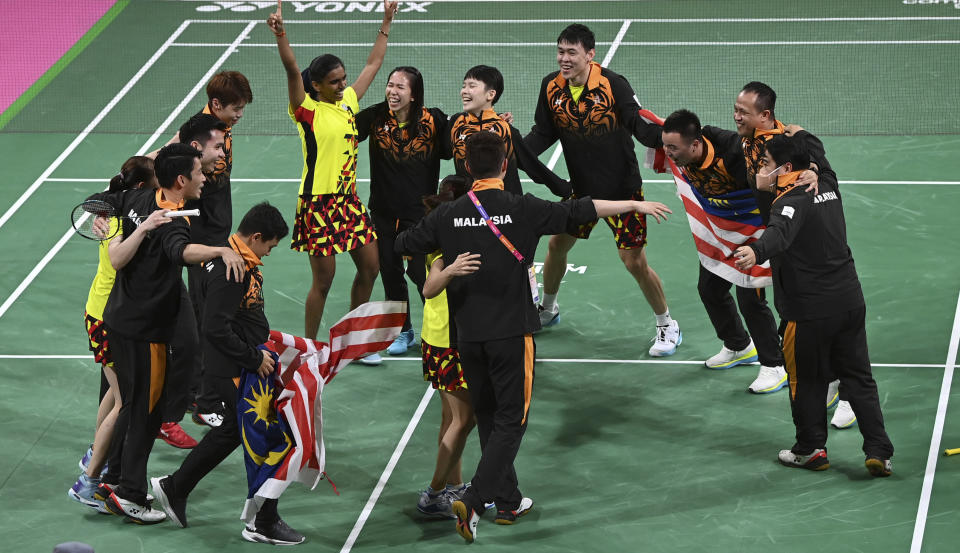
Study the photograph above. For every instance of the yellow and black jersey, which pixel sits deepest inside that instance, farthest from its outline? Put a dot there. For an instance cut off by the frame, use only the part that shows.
(594, 125)
(213, 226)
(723, 169)
(234, 323)
(404, 160)
(328, 137)
(462, 125)
(145, 298)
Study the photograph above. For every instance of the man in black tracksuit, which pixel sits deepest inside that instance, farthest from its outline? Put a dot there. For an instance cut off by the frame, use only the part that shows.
(494, 310)
(712, 161)
(141, 315)
(818, 295)
(234, 324)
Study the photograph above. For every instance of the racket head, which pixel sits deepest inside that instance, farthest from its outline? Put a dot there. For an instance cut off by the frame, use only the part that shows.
(85, 215)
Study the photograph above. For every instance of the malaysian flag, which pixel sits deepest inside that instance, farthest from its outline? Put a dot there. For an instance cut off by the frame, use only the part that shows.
(719, 224)
(280, 417)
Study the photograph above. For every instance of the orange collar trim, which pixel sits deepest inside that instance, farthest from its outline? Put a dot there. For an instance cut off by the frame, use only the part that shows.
(708, 159)
(487, 184)
(485, 115)
(593, 80)
(777, 129)
(786, 183)
(244, 250)
(163, 203)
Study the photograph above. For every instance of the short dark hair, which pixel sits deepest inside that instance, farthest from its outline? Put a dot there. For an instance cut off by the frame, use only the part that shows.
(265, 219)
(230, 87)
(578, 34)
(783, 149)
(485, 152)
(135, 170)
(174, 160)
(686, 123)
(766, 97)
(199, 128)
(451, 188)
(489, 76)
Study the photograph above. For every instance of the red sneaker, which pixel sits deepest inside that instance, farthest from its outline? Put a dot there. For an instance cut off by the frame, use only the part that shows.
(174, 435)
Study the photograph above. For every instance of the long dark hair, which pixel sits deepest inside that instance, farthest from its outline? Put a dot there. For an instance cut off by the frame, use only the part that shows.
(135, 170)
(416, 101)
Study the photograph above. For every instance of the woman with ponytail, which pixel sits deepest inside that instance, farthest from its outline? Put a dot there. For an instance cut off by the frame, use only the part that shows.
(136, 172)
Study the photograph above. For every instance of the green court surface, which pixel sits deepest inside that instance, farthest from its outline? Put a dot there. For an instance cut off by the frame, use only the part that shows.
(623, 452)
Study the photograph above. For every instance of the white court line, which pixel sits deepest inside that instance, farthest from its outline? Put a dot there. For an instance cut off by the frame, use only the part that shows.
(934, 453)
(539, 360)
(620, 20)
(615, 45)
(145, 148)
(96, 121)
(646, 181)
(388, 470)
(552, 44)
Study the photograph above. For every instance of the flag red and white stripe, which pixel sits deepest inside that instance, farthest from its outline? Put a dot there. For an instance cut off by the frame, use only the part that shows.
(305, 367)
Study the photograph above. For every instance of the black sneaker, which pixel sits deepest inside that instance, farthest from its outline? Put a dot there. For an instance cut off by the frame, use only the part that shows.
(173, 505)
(509, 517)
(277, 533)
(879, 467)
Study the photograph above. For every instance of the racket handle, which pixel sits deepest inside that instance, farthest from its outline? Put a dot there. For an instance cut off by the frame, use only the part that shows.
(949, 452)
(183, 213)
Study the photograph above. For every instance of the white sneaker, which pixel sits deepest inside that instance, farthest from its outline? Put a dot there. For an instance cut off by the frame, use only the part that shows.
(141, 514)
(549, 317)
(843, 417)
(667, 340)
(371, 359)
(728, 358)
(769, 380)
(833, 393)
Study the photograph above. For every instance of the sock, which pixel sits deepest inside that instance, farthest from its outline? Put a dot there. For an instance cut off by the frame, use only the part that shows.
(549, 302)
(664, 319)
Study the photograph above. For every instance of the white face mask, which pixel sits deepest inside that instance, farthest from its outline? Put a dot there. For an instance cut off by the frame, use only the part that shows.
(767, 181)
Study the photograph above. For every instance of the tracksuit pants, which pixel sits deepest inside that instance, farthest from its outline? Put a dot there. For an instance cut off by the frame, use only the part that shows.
(717, 300)
(141, 371)
(499, 375)
(815, 351)
(391, 263)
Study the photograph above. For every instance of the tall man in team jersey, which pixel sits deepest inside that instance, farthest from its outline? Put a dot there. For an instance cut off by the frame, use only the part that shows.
(593, 112)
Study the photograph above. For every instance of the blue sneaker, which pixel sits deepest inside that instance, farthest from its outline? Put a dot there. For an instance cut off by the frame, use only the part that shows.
(83, 490)
(371, 359)
(85, 460)
(402, 343)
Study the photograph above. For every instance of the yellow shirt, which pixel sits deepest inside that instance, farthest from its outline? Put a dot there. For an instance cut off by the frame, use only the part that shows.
(103, 280)
(575, 92)
(436, 315)
(328, 135)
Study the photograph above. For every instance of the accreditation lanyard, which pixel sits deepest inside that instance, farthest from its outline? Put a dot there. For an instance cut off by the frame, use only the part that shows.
(531, 275)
